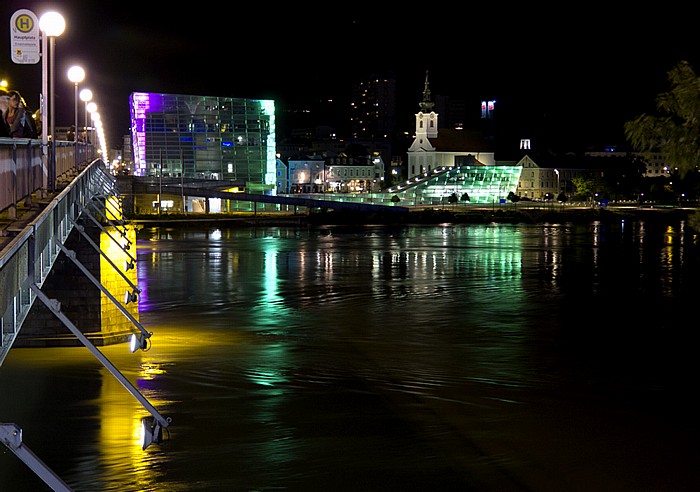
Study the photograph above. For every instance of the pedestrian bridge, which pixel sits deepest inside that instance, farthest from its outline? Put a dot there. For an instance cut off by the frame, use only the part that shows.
(30, 246)
(57, 187)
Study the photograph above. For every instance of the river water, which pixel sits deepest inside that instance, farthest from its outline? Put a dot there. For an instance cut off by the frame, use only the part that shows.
(490, 357)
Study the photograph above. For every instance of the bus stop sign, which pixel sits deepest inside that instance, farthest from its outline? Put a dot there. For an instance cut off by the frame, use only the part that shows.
(24, 37)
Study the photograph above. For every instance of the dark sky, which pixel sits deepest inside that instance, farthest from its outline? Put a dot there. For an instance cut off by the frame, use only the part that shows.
(587, 69)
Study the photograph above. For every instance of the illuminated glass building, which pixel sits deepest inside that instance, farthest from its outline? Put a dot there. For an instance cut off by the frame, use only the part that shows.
(446, 162)
(204, 137)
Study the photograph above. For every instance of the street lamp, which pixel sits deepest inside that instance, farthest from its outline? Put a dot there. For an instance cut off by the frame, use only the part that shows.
(76, 74)
(86, 97)
(97, 124)
(92, 109)
(52, 24)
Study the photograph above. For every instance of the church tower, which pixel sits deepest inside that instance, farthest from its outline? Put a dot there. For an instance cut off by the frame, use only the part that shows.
(426, 122)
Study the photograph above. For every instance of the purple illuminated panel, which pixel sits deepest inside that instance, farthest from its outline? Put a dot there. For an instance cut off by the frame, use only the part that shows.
(196, 136)
(140, 104)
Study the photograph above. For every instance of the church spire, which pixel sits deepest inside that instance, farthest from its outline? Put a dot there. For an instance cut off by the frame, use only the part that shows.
(426, 105)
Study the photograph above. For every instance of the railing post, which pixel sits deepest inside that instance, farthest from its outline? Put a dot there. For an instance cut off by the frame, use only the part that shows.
(12, 210)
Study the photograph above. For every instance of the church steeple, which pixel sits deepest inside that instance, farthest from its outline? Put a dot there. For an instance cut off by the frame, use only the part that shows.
(426, 122)
(426, 105)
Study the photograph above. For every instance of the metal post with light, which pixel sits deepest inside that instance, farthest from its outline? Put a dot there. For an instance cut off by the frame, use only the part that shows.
(92, 109)
(76, 74)
(96, 121)
(86, 97)
(51, 24)
(151, 427)
(11, 436)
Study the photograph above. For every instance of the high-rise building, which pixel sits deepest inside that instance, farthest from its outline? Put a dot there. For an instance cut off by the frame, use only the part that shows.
(373, 108)
(204, 137)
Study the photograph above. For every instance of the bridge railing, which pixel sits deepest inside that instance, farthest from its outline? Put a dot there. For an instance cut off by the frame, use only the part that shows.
(27, 259)
(22, 170)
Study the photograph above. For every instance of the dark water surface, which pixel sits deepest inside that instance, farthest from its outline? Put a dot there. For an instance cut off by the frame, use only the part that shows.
(467, 357)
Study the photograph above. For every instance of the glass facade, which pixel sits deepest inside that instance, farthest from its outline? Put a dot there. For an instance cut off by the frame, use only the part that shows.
(483, 184)
(204, 137)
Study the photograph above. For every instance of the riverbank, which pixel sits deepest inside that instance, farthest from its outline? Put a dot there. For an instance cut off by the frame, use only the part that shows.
(459, 215)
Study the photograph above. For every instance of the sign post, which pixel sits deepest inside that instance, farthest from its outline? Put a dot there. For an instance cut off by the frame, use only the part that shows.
(24, 37)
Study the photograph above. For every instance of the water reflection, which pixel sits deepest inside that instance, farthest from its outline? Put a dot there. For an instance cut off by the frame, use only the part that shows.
(458, 358)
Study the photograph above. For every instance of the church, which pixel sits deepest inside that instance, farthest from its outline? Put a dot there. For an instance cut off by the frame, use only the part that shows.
(443, 163)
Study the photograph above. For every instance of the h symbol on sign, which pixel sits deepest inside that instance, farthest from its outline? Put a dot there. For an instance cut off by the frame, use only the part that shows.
(24, 23)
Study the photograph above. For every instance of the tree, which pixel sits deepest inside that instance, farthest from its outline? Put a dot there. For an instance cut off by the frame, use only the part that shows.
(465, 197)
(588, 185)
(675, 131)
(583, 185)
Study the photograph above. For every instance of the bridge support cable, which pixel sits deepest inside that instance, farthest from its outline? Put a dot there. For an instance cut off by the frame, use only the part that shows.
(11, 437)
(115, 210)
(97, 222)
(55, 307)
(122, 232)
(72, 256)
(135, 290)
(106, 181)
(106, 186)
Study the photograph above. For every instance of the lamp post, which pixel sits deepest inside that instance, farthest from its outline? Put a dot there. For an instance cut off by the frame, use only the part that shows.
(86, 97)
(97, 125)
(52, 24)
(91, 108)
(76, 74)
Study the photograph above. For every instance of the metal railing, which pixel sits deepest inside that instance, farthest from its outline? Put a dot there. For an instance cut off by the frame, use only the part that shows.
(29, 256)
(22, 169)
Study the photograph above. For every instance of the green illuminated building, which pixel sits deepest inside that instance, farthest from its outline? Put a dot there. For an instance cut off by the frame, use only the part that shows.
(445, 162)
(220, 138)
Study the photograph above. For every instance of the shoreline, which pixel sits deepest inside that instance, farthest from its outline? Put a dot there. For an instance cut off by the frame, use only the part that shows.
(463, 215)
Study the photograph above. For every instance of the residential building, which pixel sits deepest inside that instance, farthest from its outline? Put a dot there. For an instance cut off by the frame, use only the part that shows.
(306, 174)
(655, 164)
(373, 108)
(281, 176)
(335, 173)
(538, 182)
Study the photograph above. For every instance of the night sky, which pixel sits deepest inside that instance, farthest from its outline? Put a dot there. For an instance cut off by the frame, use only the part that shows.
(588, 70)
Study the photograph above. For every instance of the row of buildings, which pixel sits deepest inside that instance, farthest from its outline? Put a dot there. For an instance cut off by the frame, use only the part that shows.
(223, 138)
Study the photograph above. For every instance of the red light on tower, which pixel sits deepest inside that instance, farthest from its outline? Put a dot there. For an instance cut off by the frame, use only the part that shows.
(487, 108)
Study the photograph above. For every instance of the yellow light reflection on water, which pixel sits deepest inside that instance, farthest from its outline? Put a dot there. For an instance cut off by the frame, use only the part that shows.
(120, 413)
